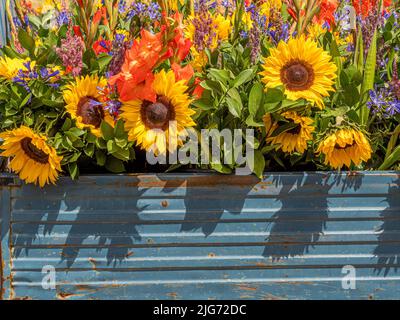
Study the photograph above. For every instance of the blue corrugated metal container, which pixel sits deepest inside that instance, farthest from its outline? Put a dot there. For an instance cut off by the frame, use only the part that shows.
(203, 236)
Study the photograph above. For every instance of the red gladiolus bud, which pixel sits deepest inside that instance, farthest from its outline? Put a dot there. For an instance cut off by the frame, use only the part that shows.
(292, 13)
(77, 31)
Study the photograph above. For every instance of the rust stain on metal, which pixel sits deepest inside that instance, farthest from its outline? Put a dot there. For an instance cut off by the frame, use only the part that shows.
(246, 287)
(22, 298)
(130, 253)
(192, 181)
(270, 296)
(66, 295)
(164, 203)
(212, 255)
(173, 295)
(93, 262)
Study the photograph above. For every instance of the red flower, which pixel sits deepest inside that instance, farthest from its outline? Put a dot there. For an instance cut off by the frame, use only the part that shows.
(100, 13)
(327, 10)
(198, 90)
(365, 7)
(102, 46)
(77, 31)
(179, 44)
(68, 69)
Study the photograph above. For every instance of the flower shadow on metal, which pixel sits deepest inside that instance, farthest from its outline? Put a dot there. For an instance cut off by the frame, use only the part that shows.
(201, 236)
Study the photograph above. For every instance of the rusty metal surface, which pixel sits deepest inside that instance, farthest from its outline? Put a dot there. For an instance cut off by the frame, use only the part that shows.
(203, 236)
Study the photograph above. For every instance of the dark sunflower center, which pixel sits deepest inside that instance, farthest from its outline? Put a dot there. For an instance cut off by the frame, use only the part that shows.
(33, 152)
(91, 112)
(295, 130)
(297, 75)
(158, 114)
(337, 147)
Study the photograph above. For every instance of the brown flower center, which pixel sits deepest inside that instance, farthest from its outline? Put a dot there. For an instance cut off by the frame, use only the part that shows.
(297, 75)
(90, 111)
(337, 147)
(158, 114)
(33, 152)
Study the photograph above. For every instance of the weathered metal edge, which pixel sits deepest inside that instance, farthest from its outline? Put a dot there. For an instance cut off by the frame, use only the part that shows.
(5, 254)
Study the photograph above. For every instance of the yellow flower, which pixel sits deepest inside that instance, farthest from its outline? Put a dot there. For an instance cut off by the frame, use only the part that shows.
(148, 122)
(293, 140)
(305, 70)
(83, 103)
(222, 28)
(344, 147)
(199, 59)
(32, 158)
(268, 7)
(43, 6)
(9, 67)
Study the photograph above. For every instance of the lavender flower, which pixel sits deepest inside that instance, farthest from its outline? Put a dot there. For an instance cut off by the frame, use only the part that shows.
(203, 24)
(63, 18)
(383, 102)
(71, 52)
(151, 11)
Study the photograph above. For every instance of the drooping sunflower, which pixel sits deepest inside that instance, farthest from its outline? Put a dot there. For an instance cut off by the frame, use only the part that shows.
(293, 140)
(83, 103)
(305, 70)
(148, 122)
(33, 159)
(345, 146)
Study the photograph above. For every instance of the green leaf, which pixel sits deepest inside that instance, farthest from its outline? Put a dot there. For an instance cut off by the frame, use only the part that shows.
(119, 130)
(103, 61)
(73, 170)
(391, 159)
(369, 77)
(219, 75)
(89, 150)
(26, 41)
(235, 108)
(243, 77)
(101, 158)
(107, 131)
(67, 124)
(114, 165)
(259, 164)
(255, 98)
(274, 95)
(220, 168)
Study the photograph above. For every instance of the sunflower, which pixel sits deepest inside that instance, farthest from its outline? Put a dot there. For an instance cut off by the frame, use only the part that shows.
(304, 69)
(293, 140)
(83, 99)
(9, 67)
(345, 146)
(147, 122)
(33, 159)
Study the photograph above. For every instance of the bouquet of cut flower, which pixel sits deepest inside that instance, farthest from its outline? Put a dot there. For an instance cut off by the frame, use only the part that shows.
(90, 86)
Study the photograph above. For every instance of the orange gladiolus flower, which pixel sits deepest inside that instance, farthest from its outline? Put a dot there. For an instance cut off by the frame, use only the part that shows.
(136, 76)
(365, 7)
(182, 73)
(180, 45)
(327, 9)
